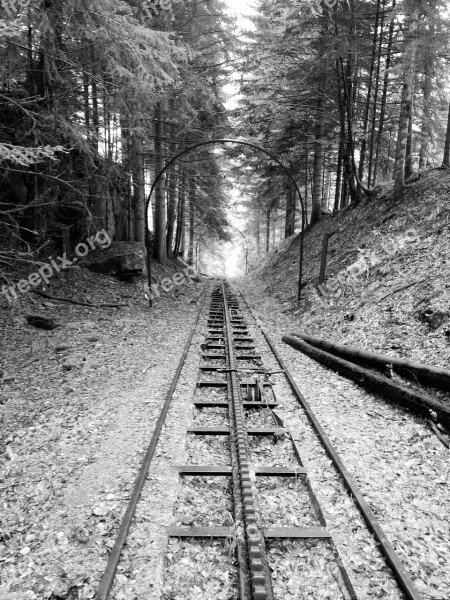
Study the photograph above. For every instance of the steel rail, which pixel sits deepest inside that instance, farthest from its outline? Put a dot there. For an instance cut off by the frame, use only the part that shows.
(107, 579)
(401, 575)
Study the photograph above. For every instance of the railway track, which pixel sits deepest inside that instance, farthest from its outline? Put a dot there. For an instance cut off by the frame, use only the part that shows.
(274, 513)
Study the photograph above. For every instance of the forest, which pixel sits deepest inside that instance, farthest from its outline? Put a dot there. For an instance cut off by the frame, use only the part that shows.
(224, 299)
(96, 97)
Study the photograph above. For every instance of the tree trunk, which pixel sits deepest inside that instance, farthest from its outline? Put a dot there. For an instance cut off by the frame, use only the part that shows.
(160, 209)
(409, 147)
(306, 170)
(406, 106)
(417, 372)
(138, 187)
(383, 98)
(190, 259)
(268, 230)
(290, 212)
(418, 401)
(318, 162)
(426, 117)
(337, 191)
(257, 234)
(446, 159)
(369, 93)
(180, 213)
(375, 96)
(171, 200)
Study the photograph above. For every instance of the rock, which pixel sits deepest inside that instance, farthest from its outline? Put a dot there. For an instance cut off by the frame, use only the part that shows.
(42, 322)
(435, 319)
(62, 347)
(73, 362)
(124, 266)
(100, 510)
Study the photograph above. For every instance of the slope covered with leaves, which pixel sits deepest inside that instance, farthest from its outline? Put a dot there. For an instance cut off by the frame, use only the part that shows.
(388, 268)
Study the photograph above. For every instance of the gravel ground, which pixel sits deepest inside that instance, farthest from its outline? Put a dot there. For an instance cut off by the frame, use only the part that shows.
(200, 570)
(75, 436)
(400, 466)
(305, 569)
(285, 502)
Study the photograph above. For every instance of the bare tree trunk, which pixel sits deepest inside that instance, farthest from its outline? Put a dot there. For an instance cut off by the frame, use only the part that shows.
(318, 162)
(257, 234)
(409, 147)
(160, 209)
(337, 191)
(406, 107)
(268, 230)
(127, 228)
(180, 213)
(138, 187)
(306, 169)
(446, 159)
(375, 96)
(171, 201)
(290, 212)
(383, 98)
(369, 93)
(191, 222)
(426, 117)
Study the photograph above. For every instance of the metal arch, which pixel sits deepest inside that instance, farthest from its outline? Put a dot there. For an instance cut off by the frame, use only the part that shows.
(223, 141)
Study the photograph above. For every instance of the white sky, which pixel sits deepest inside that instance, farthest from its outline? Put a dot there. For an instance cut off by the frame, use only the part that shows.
(242, 8)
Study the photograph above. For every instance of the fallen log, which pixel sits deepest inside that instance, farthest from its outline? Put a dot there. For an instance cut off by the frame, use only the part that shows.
(72, 301)
(418, 402)
(420, 373)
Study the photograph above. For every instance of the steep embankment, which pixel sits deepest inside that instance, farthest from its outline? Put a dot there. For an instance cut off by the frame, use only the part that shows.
(388, 269)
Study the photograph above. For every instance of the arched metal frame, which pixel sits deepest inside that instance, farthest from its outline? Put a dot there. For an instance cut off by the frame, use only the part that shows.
(208, 143)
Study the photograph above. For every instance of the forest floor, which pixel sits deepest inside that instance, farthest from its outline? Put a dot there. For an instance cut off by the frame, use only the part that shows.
(78, 405)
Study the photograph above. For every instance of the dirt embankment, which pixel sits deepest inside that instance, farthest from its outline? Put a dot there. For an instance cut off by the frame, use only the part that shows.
(387, 284)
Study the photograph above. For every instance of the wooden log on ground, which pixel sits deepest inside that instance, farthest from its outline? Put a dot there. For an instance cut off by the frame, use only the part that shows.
(420, 373)
(418, 402)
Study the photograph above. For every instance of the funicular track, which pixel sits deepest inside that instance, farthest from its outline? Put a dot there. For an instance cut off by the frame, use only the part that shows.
(230, 363)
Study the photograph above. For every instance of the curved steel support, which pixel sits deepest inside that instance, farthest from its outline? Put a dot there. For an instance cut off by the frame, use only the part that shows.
(208, 143)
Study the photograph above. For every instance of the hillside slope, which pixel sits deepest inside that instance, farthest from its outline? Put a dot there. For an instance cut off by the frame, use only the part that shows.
(388, 270)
